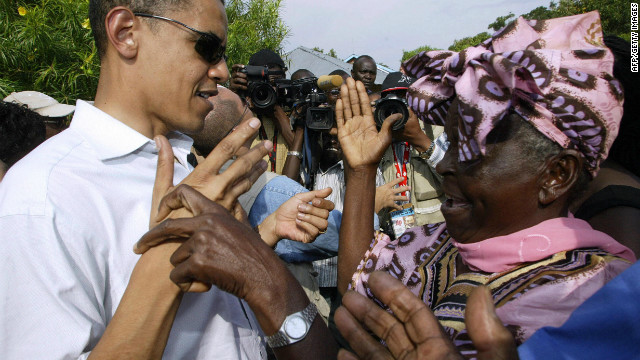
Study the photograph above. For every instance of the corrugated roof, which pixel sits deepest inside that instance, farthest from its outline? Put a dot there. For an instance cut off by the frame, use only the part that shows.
(321, 64)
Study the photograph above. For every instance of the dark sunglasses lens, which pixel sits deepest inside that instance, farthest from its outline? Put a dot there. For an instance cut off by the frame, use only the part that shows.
(209, 48)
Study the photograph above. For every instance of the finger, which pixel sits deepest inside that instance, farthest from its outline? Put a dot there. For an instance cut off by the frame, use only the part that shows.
(396, 181)
(385, 129)
(227, 147)
(180, 276)
(310, 232)
(489, 336)
(184, 196)
(401, 189)
(339, 114)
(243, 165)
(243, 185)
(311, 210)
(323, 204)
(354, 97)
(164, 176)
(237, 67)
(346, 355)
(322, 193)
(168, 230)
(400, 198)
(421, 325)
(346, 102)
(309, 196)
(316, 222)
(351, 327)
(365, 104)
(396, 206)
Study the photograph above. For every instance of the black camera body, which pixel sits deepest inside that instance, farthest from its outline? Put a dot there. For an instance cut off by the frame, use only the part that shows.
(388, 105)
(259, 89)
(305, 92)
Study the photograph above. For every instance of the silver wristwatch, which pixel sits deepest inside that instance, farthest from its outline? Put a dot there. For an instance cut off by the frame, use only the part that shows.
(294, 328)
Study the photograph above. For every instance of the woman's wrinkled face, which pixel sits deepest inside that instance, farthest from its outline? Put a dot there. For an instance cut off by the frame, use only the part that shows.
(493, 196)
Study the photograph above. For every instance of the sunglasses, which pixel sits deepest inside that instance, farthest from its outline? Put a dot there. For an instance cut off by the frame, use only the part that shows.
(209, 46)
(58, 123)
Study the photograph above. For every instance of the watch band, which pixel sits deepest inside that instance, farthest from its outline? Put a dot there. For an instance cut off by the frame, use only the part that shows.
(284, 336)
(295, 153)
(427, 153)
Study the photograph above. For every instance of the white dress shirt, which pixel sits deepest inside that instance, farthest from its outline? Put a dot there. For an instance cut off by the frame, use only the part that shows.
(70, 212)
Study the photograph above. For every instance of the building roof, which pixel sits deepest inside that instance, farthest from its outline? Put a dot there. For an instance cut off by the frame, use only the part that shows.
(322, 64)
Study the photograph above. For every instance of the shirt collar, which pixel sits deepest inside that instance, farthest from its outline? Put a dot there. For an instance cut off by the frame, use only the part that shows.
(549, 237)
(334, 166)
(111, 138)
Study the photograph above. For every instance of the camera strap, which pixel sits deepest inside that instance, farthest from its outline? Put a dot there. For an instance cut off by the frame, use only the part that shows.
(272, 154)
(401, 166)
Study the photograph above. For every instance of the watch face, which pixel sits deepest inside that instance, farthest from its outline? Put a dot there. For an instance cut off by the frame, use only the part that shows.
(296, 327)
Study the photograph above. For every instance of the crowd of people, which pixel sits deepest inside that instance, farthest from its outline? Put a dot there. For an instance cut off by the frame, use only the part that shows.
(481, 204)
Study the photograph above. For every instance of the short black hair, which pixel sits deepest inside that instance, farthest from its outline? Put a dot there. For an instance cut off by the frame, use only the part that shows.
(21, 130)
(266, 57)
(98, 10)
(302, 74)
(361, 58)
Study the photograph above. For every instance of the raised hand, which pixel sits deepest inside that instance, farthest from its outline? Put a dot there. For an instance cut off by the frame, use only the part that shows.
(362, 144)
(221, 187)
(388, 194)
(301, 218)
(412, 332)
(238, 82)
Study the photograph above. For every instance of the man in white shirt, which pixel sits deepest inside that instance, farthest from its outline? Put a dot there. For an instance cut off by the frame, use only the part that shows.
(70, 212)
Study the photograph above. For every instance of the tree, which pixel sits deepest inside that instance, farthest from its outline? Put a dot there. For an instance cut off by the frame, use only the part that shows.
(411, 53)
(459, 45)
(500, 22)
(254, 25)
(331, 52)
(47, 46)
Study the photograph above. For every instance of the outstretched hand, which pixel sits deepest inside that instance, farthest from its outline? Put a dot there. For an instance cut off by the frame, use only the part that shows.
(388, 194)
(362, 144)
(413, 332)
(301, 218)
(221, 187)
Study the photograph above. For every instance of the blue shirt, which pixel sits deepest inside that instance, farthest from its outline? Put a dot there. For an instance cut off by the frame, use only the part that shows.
(606, 326)
(274, 194)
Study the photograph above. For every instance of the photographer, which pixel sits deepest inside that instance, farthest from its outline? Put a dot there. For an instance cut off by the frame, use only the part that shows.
(275, 121)
(407, 157)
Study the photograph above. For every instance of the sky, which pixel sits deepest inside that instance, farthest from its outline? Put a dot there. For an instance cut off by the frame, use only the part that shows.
(383, 29)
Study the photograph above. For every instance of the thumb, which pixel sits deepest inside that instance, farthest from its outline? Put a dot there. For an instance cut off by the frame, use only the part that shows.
(385, 129)
(164, 176)
(490, 337)
(310, 195)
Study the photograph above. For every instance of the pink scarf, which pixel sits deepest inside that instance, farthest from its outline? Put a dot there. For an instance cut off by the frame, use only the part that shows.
(538, 242)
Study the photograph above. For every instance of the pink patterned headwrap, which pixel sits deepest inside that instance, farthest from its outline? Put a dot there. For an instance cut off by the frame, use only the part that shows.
(556, 74)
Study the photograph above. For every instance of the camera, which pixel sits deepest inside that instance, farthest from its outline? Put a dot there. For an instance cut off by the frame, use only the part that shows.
(391, 104)
(259, 89)
(306, 92)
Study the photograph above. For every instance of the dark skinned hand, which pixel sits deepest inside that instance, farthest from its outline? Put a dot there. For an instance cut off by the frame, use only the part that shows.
(362, 144)
(413, 332)
(238, 83)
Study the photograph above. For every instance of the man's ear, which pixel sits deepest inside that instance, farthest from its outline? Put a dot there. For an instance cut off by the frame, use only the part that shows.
(559, 175)
(120, 25)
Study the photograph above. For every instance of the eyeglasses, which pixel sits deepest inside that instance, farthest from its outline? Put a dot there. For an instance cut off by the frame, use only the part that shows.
(209, 46)
(58, 123)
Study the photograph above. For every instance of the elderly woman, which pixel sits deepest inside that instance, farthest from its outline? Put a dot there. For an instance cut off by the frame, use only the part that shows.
(530, 114)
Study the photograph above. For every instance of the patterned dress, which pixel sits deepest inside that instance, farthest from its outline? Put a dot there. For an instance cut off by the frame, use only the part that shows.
(528, 295)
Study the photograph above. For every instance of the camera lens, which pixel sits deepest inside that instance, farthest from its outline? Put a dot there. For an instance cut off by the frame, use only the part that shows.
(386, 107)
(262, 95)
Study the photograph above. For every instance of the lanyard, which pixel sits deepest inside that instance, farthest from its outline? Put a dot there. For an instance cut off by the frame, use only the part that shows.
(272, 155)
(401, 167)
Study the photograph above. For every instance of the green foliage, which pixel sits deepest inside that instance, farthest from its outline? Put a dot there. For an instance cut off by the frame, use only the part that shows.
(47, 46)
(459, 45)
(331, 52)
(253, 25)
(500, 22)
(409, 54)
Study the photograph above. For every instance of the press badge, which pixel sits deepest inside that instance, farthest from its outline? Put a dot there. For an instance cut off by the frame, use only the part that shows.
(403, 219)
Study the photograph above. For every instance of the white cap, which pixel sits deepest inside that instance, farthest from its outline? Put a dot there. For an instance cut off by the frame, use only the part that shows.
(41, 103)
